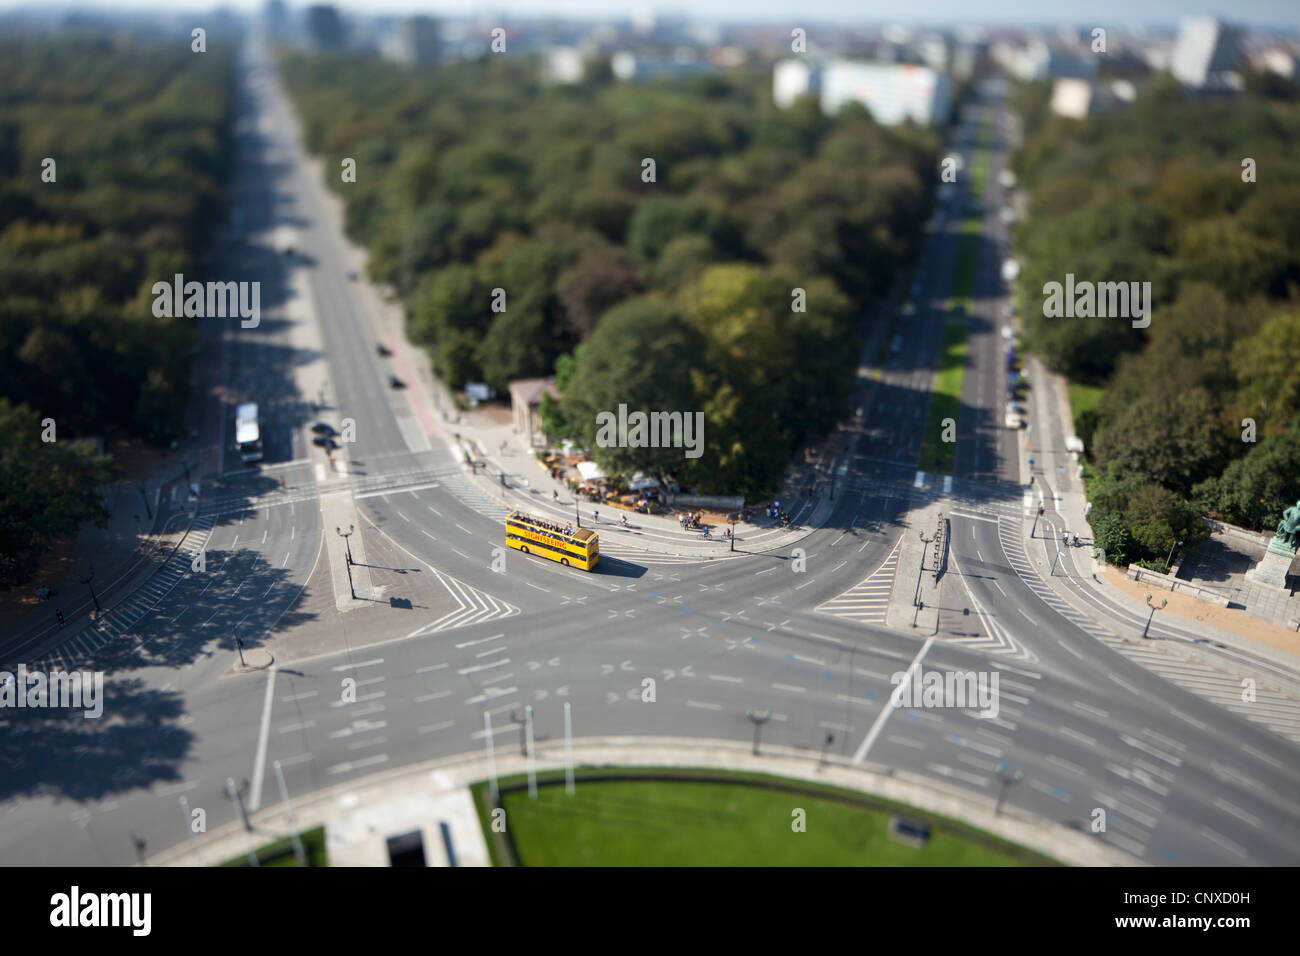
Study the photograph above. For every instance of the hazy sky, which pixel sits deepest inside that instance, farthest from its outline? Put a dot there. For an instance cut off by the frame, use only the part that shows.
(1082, 12)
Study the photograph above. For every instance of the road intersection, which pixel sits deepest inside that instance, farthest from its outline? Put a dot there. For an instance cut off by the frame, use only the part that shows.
(445, 627)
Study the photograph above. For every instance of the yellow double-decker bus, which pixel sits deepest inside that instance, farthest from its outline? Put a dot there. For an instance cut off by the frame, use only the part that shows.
(572, 547)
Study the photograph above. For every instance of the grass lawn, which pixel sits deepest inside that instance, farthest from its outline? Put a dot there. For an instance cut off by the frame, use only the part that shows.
(979, 165)
(1082, 398)
(945, 400)
(963, 270)
(280, 853)
(656, 822)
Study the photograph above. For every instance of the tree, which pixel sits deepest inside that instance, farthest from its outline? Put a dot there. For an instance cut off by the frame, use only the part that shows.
(603, 277)
(47, 490)
(640, 356)
(1254, 491)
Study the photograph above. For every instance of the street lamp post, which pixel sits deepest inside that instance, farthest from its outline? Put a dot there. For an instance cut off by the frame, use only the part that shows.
(1036, 517)
(1169, 560)
(758, 720)
(348, 545)
(1163, 602)
(916, 598)
(147, 510)
(86, 581)
(1007, 777)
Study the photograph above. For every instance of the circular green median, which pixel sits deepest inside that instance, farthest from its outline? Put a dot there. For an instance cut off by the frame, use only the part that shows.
(709, 818)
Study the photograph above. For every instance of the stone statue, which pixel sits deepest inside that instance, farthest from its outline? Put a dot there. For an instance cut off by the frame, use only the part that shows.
(1288, 529)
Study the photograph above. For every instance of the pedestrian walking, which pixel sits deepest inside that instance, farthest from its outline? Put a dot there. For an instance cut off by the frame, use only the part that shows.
(58, 615)
(595, 516)
(555, 495)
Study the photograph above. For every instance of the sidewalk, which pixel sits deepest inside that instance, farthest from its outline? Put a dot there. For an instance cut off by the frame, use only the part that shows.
(122, 556)
(359, 816)
(529, 485)
(1056, 486)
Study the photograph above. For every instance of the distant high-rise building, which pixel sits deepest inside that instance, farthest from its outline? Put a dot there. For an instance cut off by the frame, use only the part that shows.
(792, 79)
(1207, 54)
(892, 92)
(325, 30)
(276, 17)
(419, 41)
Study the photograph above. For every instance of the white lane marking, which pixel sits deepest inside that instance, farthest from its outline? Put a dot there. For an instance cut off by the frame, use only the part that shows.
(1222, 841)
(1189, 719)
(357, 764)
(348, 667)
(434, 510)
(1069, 648)
(490, 651)
(432, 667)
(1237, 812)
(703, 706)
(434, 728)
(435, 696)
(892, 704)
(729, 680)
(1026, 616)
(1262, 756)
(482, 640)
(1088, 708)
(483, 667)
(791, 688)
(259, 765)
(1125, 684)
(303, 696)
(1074, 734)
(431, 536)
(465, 529)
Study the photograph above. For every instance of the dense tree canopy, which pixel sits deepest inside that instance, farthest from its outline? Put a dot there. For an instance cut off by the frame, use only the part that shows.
(476, 177)
(137, 135)
(1200, 406)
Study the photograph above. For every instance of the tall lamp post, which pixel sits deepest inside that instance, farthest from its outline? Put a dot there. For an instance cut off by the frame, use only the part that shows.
(348, 545)
(758, 720)
(86, 581)
(1036, 517)
(1007, 777)
(916, 599)
(1169, 560)
(1163, 602)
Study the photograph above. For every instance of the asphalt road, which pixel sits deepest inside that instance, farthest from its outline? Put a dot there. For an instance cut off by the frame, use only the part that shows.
(446, 638)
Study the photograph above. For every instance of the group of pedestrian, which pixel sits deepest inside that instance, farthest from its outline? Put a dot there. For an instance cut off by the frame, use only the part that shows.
(774, 511)
(546, 526)
(691, 521)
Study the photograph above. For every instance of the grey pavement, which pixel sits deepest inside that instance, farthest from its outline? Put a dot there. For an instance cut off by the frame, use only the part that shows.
(462, 629)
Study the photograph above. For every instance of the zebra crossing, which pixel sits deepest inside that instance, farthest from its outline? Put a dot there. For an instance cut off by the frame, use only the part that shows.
(1013, 547)
(867, 602)
(473, 607)
(118, 621)
(1274, 710)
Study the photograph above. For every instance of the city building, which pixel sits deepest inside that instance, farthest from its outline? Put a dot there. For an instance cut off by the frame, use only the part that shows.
(1079, 99)
(684, 61)
(792, 79)
(563, 64)
(892, 92)
(325, 30)
(1207, 55)
(419, 41)
(1038, 60)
